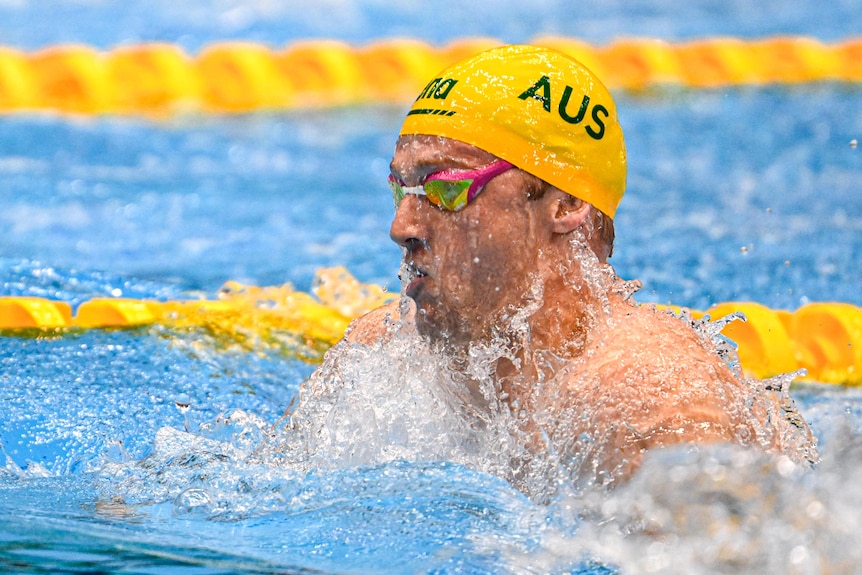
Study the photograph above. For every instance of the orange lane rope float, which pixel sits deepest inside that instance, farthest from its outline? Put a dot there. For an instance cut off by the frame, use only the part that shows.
(233, 77)
(249, 318)
(823, 338)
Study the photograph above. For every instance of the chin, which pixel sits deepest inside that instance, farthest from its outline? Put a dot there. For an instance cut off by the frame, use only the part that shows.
(425, 316)
(448, 329)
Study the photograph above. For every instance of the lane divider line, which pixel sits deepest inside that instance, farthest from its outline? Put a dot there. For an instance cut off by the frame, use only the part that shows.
(823, 338)
(160, 80)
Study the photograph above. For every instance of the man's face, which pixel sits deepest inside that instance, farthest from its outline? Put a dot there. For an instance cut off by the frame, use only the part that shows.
(465, 270)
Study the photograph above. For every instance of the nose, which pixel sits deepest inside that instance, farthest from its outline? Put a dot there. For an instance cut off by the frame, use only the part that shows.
(409, 229)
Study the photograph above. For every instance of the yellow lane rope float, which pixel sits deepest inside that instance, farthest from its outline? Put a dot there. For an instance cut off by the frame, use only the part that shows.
(823, 338)
(160, 79)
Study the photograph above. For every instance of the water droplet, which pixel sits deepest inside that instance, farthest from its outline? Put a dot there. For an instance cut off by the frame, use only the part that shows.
(814, 509)
(183, 402)
(799, 554)
(785, 466)
(191, 499)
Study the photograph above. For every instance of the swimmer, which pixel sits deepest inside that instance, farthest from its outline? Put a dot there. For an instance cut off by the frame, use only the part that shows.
(506, 178)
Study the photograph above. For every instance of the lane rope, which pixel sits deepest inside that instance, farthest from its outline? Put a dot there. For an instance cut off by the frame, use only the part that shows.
(242, 77)
(823, 338)
(238, 77)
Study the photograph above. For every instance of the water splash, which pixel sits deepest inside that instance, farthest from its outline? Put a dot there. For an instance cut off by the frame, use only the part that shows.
(716, 509)
(779, 425)
(404, 397)
(380, 437)
(398, 400)
(375, 410)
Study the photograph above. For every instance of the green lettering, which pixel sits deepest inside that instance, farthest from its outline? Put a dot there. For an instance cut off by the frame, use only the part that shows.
(429, 89)
(597, 134)
(567, 93)
(443, 88)
(533, 92)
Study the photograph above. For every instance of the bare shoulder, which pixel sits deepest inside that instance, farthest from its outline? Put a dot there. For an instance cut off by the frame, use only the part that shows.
(648, 339)
(375, 325)
(669, 340)
(664, 379)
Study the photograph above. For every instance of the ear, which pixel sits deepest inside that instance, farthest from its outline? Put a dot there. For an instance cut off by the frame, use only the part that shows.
(567, 213)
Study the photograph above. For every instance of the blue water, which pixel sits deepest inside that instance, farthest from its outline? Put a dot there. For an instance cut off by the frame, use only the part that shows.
(745, 194)
(734, 194)
(195, 23)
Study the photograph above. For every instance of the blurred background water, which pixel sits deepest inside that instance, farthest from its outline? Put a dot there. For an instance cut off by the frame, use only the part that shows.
(743, 193)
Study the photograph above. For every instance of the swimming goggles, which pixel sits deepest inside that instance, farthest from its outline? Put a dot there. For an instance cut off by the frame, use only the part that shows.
(450, 190)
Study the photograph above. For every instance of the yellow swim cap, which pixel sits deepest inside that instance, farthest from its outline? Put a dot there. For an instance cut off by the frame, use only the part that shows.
(536, 108)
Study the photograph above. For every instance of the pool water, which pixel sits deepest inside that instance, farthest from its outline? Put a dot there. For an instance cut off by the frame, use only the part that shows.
(139, 451)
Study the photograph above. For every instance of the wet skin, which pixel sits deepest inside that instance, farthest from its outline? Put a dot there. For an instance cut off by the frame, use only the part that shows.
(467, 271)
(463, 268)
(628, 377)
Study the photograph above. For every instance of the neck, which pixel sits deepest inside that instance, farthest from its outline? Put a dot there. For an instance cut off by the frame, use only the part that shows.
(558, 332)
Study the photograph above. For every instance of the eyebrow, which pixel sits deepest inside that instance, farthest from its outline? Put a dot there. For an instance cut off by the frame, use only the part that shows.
(423, 168)
(430, 166)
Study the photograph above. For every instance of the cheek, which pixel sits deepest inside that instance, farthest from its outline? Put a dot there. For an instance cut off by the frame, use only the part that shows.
(499, 262)
(457, 255)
